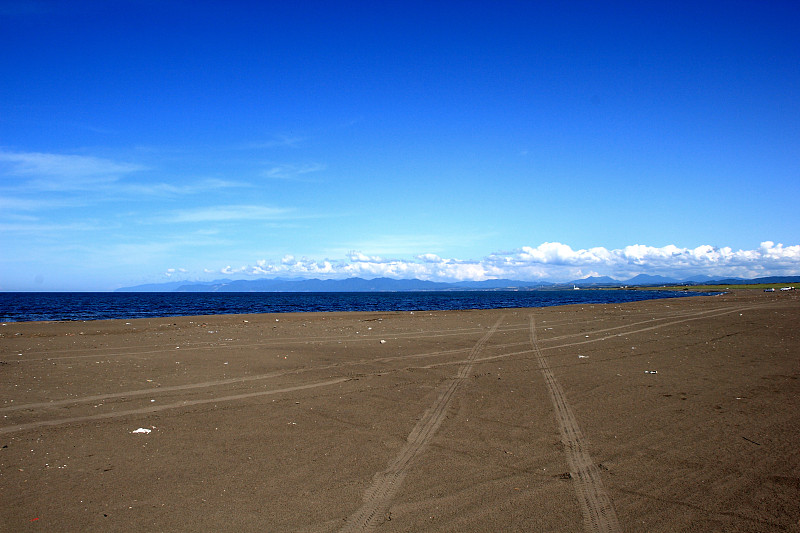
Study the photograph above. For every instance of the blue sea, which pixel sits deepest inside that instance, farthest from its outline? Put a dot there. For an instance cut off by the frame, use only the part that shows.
(27, 306)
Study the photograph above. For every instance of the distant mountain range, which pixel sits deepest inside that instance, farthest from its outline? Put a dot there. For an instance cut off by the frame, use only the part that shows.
(399, 285)
(331, 285)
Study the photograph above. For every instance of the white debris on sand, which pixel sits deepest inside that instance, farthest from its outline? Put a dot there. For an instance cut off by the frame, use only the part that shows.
(142, 430)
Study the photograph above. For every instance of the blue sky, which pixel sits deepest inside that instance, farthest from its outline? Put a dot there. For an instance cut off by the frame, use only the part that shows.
(143, 141)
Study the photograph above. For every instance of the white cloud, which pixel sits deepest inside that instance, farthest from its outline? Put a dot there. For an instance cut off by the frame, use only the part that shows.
(560, 254)
(430, 258)
(667, 260)
(548, 261)
(358, 257)
(780, 252)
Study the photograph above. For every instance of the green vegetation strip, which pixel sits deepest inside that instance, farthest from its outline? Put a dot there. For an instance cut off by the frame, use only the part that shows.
(762, 286)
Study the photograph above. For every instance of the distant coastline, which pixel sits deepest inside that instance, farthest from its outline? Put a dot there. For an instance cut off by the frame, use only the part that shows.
(415, 285)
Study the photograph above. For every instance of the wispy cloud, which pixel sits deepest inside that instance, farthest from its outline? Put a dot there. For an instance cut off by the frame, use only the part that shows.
(17, 203)
(34, 173)
(388, 245)
(277, 141)
(42, 172)
(168, 189)
(39, 228)
(224, 213)
(293, 172)
(400, 245)
(60, 165)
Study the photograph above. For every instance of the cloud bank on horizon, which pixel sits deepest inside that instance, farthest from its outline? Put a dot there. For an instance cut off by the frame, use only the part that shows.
(143, 142)
(140, 224)
(550, 261)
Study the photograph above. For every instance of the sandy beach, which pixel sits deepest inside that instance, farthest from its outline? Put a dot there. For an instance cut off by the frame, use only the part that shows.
(659, 416)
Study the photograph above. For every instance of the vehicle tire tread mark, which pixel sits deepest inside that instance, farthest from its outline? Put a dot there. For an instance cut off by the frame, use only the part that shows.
(387, 483)
(598, 511)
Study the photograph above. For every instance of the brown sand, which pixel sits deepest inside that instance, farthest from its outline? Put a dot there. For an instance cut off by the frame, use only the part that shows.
(665, 415)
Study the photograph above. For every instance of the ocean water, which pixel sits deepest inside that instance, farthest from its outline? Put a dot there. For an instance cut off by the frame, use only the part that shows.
(27, 306)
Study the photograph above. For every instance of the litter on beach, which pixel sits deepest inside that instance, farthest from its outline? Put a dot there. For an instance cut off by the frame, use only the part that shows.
(651, 371)
(142, 430)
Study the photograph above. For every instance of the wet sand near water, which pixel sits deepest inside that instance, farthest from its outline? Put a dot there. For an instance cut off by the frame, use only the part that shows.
(663, 416)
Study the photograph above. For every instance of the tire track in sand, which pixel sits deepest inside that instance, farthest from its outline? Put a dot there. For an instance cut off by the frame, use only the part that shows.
(176, 405)
(386, 484)
(598, 511)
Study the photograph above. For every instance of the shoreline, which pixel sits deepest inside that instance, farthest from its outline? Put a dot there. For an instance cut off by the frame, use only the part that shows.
(75, 307)
(685, 409)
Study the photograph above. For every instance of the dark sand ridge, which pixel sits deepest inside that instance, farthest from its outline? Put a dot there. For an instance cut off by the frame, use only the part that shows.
(516, 419)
